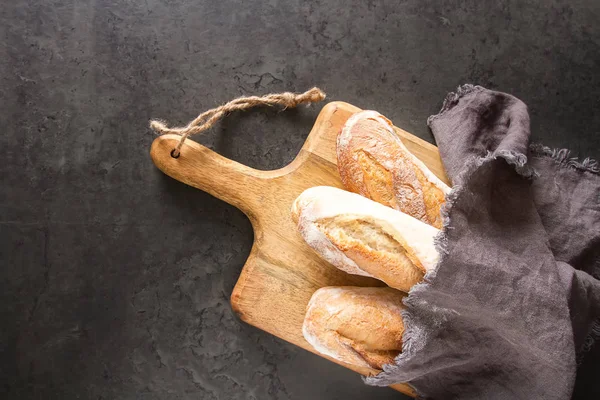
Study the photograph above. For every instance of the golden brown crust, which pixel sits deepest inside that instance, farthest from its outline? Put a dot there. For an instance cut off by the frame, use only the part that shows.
(363, 237)
(360, 326)
(375, 251)
(373, 162)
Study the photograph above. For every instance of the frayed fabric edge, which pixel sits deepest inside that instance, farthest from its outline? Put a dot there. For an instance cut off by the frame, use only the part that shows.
(411, 330)
(519, 162)
(589, 342)
(563, 157)
(452, 99)
(593, 335)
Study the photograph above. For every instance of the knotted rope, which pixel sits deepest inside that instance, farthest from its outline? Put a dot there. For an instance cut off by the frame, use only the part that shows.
(208, 118)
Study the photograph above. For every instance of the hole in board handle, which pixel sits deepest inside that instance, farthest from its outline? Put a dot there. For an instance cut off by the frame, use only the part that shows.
(173, 154)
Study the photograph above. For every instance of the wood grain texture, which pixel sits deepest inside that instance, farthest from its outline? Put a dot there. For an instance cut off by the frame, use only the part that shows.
(281, 272)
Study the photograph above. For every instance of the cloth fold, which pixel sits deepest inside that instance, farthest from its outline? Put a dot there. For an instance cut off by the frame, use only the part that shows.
(513, 303)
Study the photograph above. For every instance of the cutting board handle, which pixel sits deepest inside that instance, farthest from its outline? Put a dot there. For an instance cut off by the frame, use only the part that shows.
(200, 167)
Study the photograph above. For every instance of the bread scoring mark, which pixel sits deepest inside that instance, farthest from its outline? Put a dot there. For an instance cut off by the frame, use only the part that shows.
(345, 134)
(351, 346)
(374, 162)
(318, 241)
(432, 197)
(319, 333)
(374, 358)
(335, 319)
(353, 229)
(351, 232)
(377, 179)
(415, 236)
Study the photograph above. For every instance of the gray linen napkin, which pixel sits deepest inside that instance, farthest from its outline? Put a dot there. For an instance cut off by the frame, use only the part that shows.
(513, 301)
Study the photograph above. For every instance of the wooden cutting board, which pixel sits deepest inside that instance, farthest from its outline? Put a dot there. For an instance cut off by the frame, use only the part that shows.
(281, 272)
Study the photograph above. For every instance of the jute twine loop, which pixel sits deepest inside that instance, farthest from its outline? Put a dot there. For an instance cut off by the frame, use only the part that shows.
(208, 118)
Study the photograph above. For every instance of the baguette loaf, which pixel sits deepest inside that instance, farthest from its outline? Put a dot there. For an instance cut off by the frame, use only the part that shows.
(373, 162)
(356, 325)
(363, 237)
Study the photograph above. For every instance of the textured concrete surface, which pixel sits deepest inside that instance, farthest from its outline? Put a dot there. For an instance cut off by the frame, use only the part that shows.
(114, 279)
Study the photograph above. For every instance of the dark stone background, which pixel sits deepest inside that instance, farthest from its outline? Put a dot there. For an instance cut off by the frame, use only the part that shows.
(115, 279)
